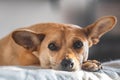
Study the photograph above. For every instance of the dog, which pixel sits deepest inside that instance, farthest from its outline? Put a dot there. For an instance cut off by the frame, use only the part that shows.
(54, 45)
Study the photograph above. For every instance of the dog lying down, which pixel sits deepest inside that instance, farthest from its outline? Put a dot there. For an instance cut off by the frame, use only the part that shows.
(54, 45)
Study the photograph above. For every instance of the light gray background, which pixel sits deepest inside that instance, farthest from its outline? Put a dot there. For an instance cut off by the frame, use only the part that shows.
(18, 13)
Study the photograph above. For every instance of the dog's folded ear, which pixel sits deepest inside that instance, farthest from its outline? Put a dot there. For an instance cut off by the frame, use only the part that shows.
(27, 39)
(98, 28)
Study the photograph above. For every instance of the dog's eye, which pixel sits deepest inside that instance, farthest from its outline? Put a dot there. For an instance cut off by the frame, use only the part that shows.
(77, 44)
(53, 47)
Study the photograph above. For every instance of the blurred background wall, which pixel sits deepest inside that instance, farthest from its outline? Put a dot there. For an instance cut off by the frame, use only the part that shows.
(18, 13)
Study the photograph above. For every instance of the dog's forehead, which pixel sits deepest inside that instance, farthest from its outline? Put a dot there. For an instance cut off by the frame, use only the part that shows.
(55, 29)
(66, 29)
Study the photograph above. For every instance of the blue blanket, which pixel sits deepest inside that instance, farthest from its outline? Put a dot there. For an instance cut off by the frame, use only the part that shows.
(109, 72)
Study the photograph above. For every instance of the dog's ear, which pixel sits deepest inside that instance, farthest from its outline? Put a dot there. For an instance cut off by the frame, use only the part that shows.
(97, 29)
(27, 39)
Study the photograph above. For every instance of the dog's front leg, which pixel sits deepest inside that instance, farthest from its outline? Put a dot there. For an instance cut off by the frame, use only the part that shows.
(91, 65)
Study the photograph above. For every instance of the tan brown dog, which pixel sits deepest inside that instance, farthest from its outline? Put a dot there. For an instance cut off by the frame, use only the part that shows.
(54, 45)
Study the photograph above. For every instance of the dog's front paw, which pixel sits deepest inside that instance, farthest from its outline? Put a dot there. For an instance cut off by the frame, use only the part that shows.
(91, 65)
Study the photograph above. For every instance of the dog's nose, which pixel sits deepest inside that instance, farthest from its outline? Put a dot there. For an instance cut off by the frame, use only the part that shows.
(67, 64)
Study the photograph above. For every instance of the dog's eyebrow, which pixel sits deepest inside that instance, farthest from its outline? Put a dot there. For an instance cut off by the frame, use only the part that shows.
(75, 38)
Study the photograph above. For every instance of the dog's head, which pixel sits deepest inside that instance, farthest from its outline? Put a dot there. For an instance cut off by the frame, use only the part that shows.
(62, 46)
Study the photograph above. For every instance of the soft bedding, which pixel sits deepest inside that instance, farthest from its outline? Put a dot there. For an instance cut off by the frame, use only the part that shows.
(111, 71)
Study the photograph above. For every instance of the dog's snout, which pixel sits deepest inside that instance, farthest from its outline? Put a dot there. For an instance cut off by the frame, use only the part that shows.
(67, 64)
